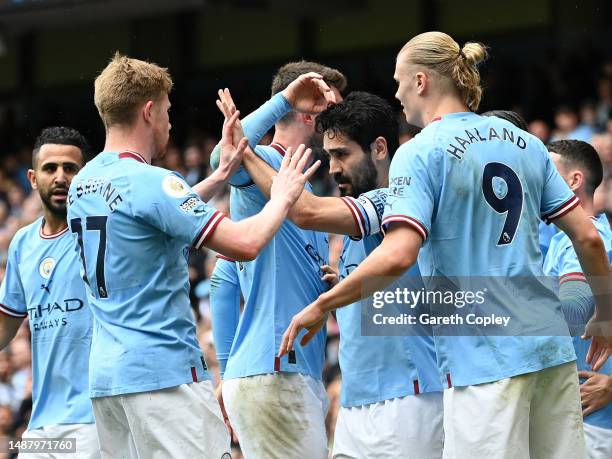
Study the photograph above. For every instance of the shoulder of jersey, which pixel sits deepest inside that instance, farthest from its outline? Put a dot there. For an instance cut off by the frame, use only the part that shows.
(26, 231)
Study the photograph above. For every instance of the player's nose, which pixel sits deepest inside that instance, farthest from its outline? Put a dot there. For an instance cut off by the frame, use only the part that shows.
(334, 166)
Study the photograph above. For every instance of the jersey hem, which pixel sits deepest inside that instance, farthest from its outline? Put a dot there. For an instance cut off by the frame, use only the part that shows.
(459, 382)
(268, 371)
(95, 393)
(382, 398)
(63, 422)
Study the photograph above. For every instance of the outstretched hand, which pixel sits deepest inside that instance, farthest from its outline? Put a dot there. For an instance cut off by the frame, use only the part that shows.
(226, 105)
(601, 342)
(290, 180)
(232, 147)
(309, 94)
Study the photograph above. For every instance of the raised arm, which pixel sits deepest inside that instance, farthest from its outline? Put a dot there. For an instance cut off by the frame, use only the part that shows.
(380, 269)
(310, 212)
(244, 240)
(229, 162)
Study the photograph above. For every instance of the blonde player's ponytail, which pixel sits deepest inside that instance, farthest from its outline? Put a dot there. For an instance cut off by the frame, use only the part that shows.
(465, 73)
(439, 52)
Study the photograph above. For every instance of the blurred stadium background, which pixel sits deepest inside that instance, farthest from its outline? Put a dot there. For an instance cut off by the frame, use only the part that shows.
(551, 60)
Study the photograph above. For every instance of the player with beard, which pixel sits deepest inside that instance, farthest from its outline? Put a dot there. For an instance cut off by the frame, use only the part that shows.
(391, 399)
(470, 192)
(43, 283)
(134, 225)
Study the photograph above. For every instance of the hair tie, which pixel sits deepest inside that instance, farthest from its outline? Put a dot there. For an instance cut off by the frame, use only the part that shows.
(460, 54)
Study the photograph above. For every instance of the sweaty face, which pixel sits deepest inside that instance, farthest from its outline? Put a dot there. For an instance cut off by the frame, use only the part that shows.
(161, 126)
(56, 166)
(351, 167)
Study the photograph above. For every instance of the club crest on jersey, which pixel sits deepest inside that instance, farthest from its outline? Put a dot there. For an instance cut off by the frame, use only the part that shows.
(46, 267)
(175, 187)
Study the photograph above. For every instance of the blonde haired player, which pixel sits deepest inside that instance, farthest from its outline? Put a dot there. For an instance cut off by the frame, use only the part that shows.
(470, 192)
(133, 225)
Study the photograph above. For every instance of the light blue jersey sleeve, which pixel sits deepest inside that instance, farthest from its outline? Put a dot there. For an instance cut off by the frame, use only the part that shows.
(557, 197)
(412, 194)
(170, 205)
(255, 126)
(367, 211)
(574, 292)
(12, 297)
(225, 308)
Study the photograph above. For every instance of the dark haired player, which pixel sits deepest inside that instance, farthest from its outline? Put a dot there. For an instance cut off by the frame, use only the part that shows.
(580, 166)
(43, 283)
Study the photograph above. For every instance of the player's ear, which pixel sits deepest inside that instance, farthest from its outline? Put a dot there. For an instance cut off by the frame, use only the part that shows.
(576, 180)
(147, 111)
(421, 82)
(379, 149)
(305, 119)
(32, 179)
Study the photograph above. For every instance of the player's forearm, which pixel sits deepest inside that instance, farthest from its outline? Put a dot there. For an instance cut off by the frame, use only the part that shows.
(259, 229)
(381, 268)
(256, 124)
(577, 304)
(593, 259)
(260, 171)
(309, 212)
(212, 184)
(8, 330)
(225, 315)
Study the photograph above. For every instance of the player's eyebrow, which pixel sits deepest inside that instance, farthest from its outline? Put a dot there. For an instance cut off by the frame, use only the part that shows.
(337, 151)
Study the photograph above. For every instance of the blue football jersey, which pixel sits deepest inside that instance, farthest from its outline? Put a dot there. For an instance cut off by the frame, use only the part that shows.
(546, 233)
(283, 279)
(42, 282)
(224, 307)
(475, 188)
(562, 263)
(379, 368)
(134, 225)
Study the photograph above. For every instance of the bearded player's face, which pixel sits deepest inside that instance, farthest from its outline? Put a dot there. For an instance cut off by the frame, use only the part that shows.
(56, 165)
(351, 167)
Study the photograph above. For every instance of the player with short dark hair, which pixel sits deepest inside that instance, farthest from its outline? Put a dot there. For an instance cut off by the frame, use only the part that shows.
(580, 166)
(42, 283)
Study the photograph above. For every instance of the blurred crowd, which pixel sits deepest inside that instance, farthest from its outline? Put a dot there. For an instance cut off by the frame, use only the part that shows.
(591, 121)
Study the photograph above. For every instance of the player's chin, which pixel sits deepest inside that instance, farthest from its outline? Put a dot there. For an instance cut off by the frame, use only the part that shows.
(59, 208)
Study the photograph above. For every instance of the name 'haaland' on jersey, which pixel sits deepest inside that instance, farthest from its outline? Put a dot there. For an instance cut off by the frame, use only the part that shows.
(101, 186)
(473, 135)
